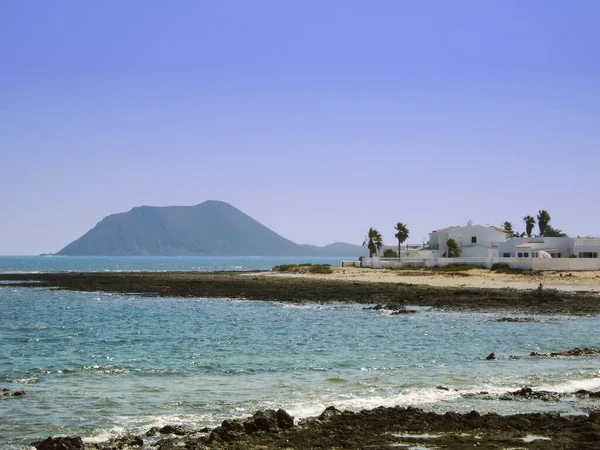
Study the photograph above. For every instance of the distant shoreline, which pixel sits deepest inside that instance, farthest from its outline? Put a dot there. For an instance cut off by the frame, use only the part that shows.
(322, 288)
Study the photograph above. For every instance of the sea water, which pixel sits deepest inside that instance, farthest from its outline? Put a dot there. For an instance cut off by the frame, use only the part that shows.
(51, 263)
(100, 365)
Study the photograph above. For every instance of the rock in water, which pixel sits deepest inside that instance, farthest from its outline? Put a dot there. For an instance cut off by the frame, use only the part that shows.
(60, 443)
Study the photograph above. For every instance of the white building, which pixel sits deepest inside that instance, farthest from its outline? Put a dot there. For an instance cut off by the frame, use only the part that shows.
(557, 247)
(475, 241)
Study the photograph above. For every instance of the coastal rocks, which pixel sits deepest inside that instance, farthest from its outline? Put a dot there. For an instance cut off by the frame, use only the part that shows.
(396, 309)
(7, 393)
(527, 393)
(517, 319)
(490, 357)
(384, 427)
(122, 443)
(268, 421)
(585, 351)
(60, 443)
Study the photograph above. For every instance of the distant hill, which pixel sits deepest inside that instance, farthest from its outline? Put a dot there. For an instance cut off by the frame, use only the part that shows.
(212, 228)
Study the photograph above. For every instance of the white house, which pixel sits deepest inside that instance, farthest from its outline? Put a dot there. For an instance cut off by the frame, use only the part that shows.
(557, 247)
(475, 241)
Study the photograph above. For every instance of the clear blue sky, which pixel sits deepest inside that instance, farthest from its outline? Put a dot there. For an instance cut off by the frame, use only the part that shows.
(320, 119)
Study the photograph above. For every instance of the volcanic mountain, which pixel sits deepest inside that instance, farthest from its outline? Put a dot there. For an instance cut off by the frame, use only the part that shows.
(212, 228)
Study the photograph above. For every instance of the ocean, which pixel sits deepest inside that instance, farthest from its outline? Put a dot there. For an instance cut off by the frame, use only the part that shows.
(99, 365)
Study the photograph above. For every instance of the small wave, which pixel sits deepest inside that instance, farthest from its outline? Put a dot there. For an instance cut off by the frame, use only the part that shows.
(336, 380)
(24, 380)
(571, 386)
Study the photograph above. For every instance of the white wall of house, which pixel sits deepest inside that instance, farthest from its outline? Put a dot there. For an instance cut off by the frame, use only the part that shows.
(438, 238)
(586, 248)
(530, 247)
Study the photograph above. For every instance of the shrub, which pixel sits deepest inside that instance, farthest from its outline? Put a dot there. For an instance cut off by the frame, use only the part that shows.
(284, 268)
(320, 268)
(390, 253)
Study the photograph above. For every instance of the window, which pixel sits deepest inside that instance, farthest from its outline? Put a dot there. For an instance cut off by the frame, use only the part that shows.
(526, 255)
(519, 255)
(474, 240)
(506, 255)
(534, 254)
(588, 254)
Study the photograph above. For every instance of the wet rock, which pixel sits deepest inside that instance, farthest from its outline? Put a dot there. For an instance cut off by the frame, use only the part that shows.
(172, 429)
(490, 357)
(585, 351)
(329, 412)
(517, 319)
(7, 393)
(266, 420)
(60, 443)
(122, 443)
(527, 393)
(284, 420)
(402, 311)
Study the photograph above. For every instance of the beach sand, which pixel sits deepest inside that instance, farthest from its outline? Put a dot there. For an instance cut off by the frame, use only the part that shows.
(584, 281)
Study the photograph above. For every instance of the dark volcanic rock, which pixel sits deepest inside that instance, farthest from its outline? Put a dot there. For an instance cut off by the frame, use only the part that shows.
(121, 443)
(284, 420)
(490, 357)
(585, 351)
(527, 393)
(517, 319)
(7, 393)
(60, 443)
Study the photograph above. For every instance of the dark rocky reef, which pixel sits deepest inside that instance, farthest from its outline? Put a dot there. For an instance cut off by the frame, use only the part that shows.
(253, 286)
(379, 428)
(585, 351)
(7, 393)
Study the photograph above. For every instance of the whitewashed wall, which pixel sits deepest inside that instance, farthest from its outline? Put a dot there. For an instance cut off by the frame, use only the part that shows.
(571, 264)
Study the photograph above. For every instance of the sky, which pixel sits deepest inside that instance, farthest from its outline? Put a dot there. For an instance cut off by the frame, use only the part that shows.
(320, 119)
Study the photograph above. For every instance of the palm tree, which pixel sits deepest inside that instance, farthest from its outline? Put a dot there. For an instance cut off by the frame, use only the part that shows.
(529, 224)
(454, 250)
(401, 235)
(543, 218)
(508, 227)
(373, 241)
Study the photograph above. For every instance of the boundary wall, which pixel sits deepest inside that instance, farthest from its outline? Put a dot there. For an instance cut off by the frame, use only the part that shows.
(537, 264)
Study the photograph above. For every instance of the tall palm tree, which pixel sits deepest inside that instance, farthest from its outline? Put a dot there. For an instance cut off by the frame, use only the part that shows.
(401, 235)
(508, 227)
(373, 241)
(529, 224)
(543, 218)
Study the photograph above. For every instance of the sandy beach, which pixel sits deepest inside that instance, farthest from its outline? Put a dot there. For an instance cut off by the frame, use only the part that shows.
(584, 281)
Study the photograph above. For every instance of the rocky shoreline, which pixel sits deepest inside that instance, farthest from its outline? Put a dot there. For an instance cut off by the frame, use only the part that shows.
(253, 286)
(379, 428)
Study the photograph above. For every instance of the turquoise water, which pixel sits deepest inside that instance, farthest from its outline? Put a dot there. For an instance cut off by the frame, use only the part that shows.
(97, 365)
(152, 263)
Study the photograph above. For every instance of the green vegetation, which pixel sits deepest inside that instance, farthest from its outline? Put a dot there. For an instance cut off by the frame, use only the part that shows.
(390, 253)
(373, 241)
(543, 218)
(553, 232)
(505, 268)
(454, 268)
(320, 268)
(508, 227)
(303, 268)
(401, 235)
(454, 250)
(529, 224)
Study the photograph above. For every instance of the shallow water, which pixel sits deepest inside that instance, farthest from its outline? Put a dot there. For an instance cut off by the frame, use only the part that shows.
(96, 364)
(28, 264)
